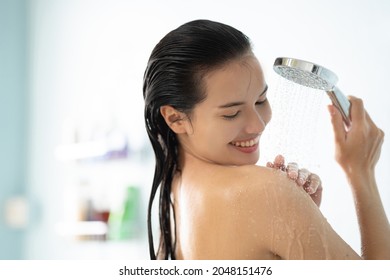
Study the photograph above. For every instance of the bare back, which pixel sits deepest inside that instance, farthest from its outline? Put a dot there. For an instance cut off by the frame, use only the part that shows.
(249, 212)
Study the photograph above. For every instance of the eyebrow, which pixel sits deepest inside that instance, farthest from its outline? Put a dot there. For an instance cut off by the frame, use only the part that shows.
(238, 103)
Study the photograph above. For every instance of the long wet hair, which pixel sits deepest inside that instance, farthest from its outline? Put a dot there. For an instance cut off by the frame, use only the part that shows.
(174, 77)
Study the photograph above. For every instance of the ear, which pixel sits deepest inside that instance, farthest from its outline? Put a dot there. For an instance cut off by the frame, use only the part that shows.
(175, 119)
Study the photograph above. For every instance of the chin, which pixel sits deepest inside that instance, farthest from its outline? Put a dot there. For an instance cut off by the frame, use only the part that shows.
(253, 162)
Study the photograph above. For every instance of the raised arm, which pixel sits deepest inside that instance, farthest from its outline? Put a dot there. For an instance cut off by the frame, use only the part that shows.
(357, 151)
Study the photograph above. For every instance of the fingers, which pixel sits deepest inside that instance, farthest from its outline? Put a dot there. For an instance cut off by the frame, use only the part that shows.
(317, 196)
(357, 114)
(278, 163)
(357, 109)
(313, 184)
(310, 182)
(292, 170)
(303, 176)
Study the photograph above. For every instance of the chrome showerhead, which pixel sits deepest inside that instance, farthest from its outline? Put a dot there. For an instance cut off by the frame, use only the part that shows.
(314, 76)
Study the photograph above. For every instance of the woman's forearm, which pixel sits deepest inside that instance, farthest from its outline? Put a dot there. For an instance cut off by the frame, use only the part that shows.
(372, 219)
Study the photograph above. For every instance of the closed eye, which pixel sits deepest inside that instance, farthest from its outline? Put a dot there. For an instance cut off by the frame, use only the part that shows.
(263, 96)
(261, 102)
(230, 117)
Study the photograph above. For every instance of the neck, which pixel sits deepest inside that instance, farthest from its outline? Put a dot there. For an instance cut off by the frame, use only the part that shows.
(187, 159)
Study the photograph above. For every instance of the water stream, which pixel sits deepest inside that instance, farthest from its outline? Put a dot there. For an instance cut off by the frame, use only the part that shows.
(293, 130)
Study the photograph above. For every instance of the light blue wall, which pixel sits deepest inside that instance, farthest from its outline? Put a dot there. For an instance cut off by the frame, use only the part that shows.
(13, 101)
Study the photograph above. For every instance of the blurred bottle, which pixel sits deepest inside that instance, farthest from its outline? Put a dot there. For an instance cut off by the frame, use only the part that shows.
(124, 224)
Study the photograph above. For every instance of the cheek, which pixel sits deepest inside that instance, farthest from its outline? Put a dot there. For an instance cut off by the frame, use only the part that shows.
(220, 133)
(213, 137)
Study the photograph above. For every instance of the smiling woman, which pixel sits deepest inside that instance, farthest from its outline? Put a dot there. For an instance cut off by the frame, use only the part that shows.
(236, 107)
(206, 108)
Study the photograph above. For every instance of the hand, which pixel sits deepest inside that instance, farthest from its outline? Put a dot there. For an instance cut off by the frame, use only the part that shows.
(310, 182)
(357, 148)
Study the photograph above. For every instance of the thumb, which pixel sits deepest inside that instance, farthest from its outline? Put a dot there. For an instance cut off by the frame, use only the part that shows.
(337, 123)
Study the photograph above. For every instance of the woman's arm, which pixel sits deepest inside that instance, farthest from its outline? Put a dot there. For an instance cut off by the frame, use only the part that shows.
(357, 151)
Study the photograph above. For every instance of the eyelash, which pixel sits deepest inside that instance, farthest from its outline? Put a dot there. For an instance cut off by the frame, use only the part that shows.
(261, 102)
(231, 117)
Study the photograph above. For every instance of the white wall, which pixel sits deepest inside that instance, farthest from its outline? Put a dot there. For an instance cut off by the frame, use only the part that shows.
(88, 57)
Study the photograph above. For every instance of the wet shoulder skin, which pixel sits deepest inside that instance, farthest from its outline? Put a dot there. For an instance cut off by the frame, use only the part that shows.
(250, 212)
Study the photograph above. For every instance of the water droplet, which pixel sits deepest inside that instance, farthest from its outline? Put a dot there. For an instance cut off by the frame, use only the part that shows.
(293, 129)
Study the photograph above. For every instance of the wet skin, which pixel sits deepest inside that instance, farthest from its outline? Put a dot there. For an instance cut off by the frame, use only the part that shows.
(225, 206)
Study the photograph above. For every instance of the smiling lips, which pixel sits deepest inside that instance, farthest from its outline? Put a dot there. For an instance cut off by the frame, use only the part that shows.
(247, 146)
(248, 143)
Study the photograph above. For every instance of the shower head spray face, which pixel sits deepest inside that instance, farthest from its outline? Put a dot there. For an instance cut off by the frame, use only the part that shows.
(305, 73)
(314, 76)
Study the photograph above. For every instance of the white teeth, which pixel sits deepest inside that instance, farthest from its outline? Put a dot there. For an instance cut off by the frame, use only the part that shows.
(246, 143)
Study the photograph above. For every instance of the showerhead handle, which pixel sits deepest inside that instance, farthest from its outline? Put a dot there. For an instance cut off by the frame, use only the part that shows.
(341, 102)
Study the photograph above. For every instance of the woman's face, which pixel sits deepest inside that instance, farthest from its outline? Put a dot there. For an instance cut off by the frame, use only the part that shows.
(226, 127)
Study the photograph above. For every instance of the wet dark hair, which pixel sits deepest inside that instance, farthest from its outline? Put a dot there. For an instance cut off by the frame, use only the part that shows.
(174, 77)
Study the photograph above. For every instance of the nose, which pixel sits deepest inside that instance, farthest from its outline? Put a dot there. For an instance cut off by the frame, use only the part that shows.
(255, 123)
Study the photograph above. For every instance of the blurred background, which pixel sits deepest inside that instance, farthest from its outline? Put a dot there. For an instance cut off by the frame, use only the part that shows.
(76, 165)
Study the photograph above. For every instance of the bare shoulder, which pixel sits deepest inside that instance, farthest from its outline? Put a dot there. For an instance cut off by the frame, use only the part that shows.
(251, 184)
(258, 179)
(264, 190)
(252, 212)
(227, 205)
(279, 217)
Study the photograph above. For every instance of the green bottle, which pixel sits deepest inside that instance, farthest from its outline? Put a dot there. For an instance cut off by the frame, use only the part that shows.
(124, 224)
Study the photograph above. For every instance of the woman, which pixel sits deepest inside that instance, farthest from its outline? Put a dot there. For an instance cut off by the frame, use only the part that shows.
(205, 110)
